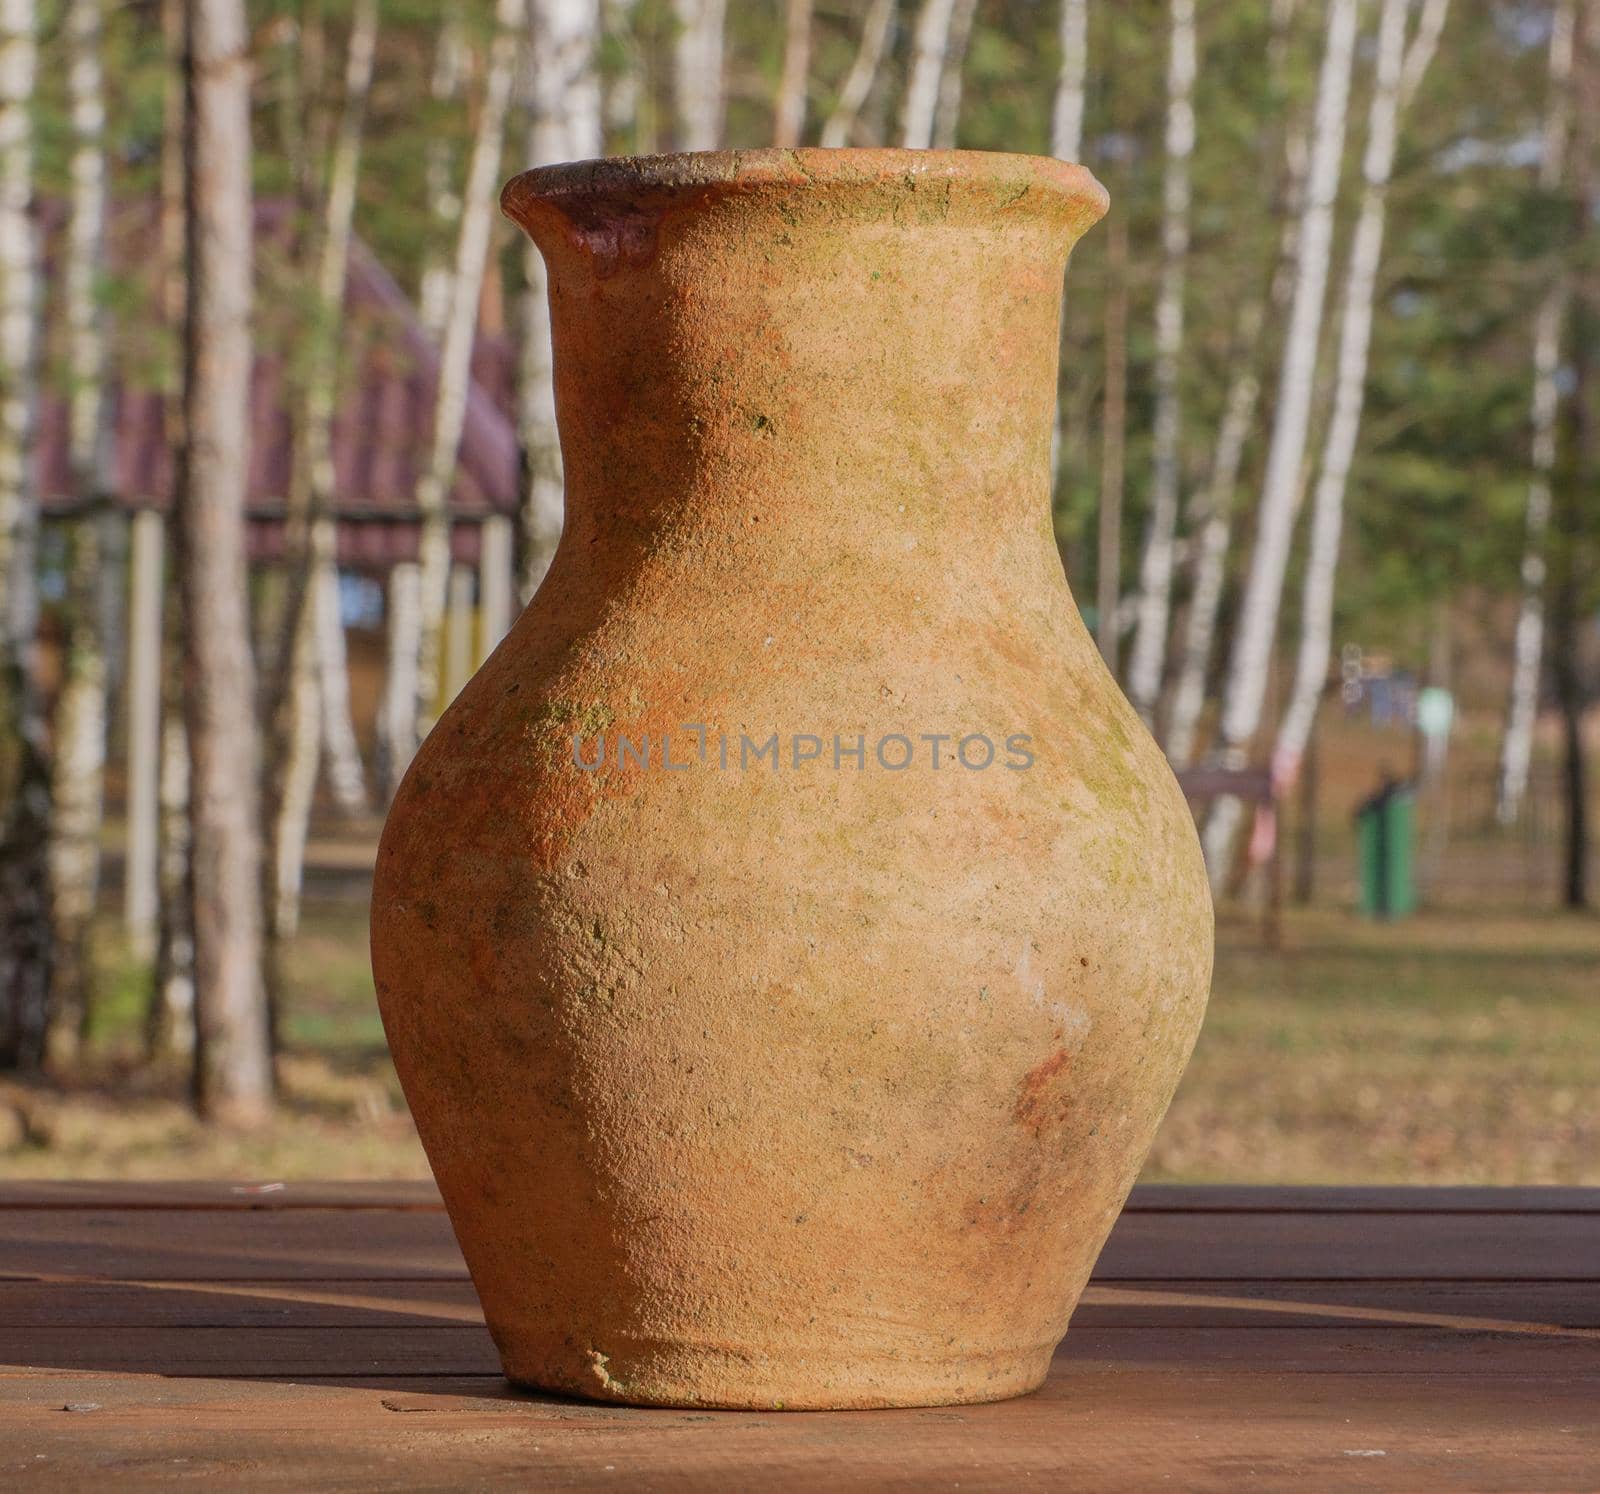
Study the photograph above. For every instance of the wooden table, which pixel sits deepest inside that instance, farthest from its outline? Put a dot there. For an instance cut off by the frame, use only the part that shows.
(325, 1336)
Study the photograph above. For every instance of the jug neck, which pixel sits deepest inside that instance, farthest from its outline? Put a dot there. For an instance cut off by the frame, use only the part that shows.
(759, 341)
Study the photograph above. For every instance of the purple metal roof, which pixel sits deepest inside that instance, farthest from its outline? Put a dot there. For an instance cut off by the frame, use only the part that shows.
(382, 427)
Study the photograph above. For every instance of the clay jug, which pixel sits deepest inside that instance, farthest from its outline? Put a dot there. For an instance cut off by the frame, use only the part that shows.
(790, 939)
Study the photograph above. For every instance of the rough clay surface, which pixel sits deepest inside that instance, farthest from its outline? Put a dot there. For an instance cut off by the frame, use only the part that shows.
(810, 1086)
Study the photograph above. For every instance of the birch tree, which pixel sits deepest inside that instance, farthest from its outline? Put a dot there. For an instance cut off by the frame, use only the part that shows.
(1256, 630)
(341, 752)
(699, 92)
(1211, 518)
(170, 1018)
(1148, 658)
(25, 900)
(564, 125)
(1399, 74)
(1516, 748)
(80, 728)
(629, 125)
(1113, 441)
(789, 106)
(1066, 144)
(1214, 531)
(1066, 113)
(839, 127)
(455, 357)
(947, 112)
(233, 1065)
(299, 714)
(930, 44)
(444, 200)
(397, 708)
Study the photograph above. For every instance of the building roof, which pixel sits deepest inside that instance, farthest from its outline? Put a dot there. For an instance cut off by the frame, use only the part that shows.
(384, 416)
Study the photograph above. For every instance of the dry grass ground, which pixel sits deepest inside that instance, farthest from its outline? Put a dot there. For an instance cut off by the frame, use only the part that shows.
(1459, 1047)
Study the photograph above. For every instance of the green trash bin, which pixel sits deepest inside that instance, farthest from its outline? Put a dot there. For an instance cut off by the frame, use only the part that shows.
(1385, 837)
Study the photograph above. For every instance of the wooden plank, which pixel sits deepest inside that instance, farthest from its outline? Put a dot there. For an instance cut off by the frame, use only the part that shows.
(1146, 1197)
(1212, 1199)
(397, 1193)
(454, 1349)
(1467, 1306)
(1211, 1304)
(1352, 1247)
(385, 1244)
(228, 1244)
(236, 1304)
(1129, 1429)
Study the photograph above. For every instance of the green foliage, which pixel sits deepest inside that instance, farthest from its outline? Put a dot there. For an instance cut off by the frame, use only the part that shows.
(1436, 499)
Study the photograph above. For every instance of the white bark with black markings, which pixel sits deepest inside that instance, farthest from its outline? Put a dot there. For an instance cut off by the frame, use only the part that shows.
(1147, 660)
(699, 91)
(300, 722)
(564, 125)
(1399, 73)
(1522, 707)
(78, 768)
(930, 44)
(455, 357)
(1256, 631)
(840, 126)
(789, 105)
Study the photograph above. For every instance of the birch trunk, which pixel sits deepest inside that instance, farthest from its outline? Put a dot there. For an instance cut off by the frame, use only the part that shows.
(397, 712)
(789, 107)
(1522, 709)
(170, 1019)
(78, 783)
(698, 90)
(25, 894)
(564, 125)
(1257, 627)
(1113, 438)
(947, 113)
(233, 1064)
(455, 356)
(1066, 144)
(1211, 544)
(297, 719)
(170, 1022)
(1066, 114)
(1213, 514)
(930, 43)
(444, 201)
(1148, 659)
(1389, 97)
(341, 753)
(839, 127)
(623, 101)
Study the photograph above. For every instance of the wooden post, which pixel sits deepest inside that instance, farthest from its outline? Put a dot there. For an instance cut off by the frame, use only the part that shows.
(494, 584)
(458, 633)
(146, 565)
(1306, 868)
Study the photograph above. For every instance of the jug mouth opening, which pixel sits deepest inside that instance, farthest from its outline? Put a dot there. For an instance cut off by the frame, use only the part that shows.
(969, 186)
